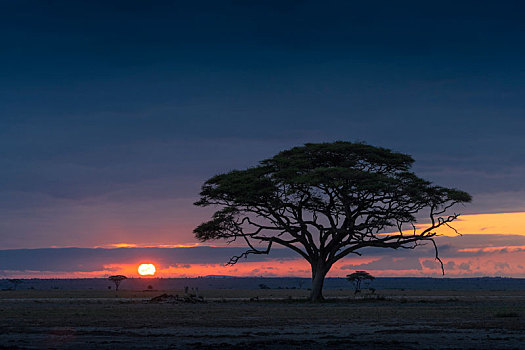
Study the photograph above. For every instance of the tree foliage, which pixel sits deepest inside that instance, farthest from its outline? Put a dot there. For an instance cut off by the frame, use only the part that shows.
(325, 201)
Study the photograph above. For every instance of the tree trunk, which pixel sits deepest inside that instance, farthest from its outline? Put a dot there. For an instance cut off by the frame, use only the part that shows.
(319, 272)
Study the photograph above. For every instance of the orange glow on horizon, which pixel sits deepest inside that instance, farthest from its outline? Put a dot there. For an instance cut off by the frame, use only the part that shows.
(138, 245)
(496, 263)
(124, 245)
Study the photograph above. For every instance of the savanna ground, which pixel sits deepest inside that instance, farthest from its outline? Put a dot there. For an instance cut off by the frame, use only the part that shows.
(280, 319)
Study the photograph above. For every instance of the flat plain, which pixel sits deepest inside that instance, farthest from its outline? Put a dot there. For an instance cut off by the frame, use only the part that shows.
(262, 319)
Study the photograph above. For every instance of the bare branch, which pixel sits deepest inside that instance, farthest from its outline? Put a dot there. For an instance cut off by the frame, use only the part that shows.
(235, 259)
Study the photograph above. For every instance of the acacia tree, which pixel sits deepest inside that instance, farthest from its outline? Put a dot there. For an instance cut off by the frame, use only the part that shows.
(117, 279)
(325, 201)
(357, 278)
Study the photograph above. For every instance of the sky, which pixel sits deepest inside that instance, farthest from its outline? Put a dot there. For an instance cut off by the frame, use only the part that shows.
(113, 114)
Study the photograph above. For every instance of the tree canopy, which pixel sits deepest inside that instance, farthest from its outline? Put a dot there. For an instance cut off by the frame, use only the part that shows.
(325, 201)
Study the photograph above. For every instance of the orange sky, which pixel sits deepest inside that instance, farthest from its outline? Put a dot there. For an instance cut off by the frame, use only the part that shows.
(498, 264)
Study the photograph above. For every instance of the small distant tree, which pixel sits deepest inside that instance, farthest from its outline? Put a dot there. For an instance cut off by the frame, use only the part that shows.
(358, 277)
(117, 279)
(300, 283)
(263, 286)
(15, 282)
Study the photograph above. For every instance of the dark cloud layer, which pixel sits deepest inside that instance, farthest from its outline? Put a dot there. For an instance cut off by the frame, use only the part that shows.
(386, 263)
(110, 108)
(94, 259)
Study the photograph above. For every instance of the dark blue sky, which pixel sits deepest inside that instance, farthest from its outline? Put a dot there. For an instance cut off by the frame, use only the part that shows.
(112, 114)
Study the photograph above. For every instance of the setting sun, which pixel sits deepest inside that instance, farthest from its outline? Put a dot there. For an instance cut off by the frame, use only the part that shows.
(146, 269)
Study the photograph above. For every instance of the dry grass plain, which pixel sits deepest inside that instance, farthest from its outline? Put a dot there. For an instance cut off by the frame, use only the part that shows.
(57, 319)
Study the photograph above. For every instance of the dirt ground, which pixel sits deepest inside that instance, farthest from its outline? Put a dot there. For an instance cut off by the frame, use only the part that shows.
(279, 319)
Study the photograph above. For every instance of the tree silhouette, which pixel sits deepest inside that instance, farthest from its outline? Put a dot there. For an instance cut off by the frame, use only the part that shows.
(117, 279)
(357, 277)
(15, 282)
(325, 201)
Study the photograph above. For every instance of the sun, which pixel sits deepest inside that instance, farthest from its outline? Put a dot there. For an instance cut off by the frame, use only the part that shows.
(146, 269)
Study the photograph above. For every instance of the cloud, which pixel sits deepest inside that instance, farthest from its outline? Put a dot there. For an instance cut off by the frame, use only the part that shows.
(95, 259)
(180, 266)
(448, 266)
(464, 266)
(477, 245)
(468, 245)
(432, 264)
(501, 265)
(386, 263)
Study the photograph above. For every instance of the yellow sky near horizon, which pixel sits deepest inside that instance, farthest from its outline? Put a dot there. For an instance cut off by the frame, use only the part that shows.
(497, 223)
